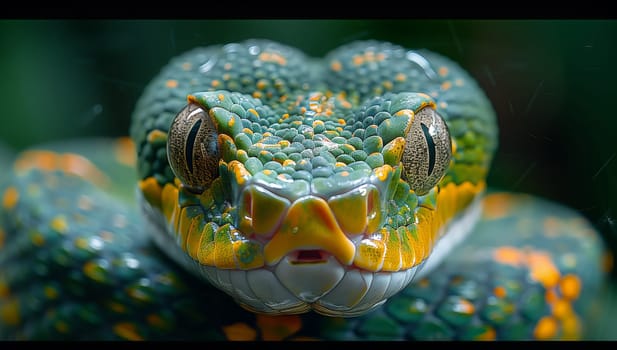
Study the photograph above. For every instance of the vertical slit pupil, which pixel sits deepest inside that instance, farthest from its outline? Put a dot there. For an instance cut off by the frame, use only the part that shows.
(190, 143)
(431, 148)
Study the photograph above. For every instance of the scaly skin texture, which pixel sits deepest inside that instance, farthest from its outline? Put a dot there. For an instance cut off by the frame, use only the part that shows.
(76, 262)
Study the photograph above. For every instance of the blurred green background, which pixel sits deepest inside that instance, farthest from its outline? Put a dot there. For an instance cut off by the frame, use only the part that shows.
(552, 83)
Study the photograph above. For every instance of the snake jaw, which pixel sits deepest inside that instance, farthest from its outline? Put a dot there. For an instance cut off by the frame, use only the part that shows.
(286, 238)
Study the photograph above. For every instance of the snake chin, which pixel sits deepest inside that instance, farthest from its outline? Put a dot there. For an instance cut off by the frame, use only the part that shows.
(327, 287)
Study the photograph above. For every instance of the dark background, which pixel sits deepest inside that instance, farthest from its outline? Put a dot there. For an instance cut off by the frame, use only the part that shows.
(552, 83)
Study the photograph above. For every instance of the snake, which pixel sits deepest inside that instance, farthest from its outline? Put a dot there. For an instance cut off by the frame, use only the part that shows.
(264, 194)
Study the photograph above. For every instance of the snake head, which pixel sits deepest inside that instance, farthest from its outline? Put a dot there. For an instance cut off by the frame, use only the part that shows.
(292, 198)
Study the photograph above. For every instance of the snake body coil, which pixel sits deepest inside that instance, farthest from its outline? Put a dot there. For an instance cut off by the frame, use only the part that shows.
(348, 187)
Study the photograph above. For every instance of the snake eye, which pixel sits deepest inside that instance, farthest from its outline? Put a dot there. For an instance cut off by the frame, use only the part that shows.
(192, 148)
(427, 153)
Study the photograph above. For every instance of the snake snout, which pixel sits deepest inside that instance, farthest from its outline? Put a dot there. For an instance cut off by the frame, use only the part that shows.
(310, 230)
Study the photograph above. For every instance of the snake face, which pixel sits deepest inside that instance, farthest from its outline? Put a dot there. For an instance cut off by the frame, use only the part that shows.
(294, 192)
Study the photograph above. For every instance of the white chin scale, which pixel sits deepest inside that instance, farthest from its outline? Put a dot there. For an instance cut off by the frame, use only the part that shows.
(326, 287)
